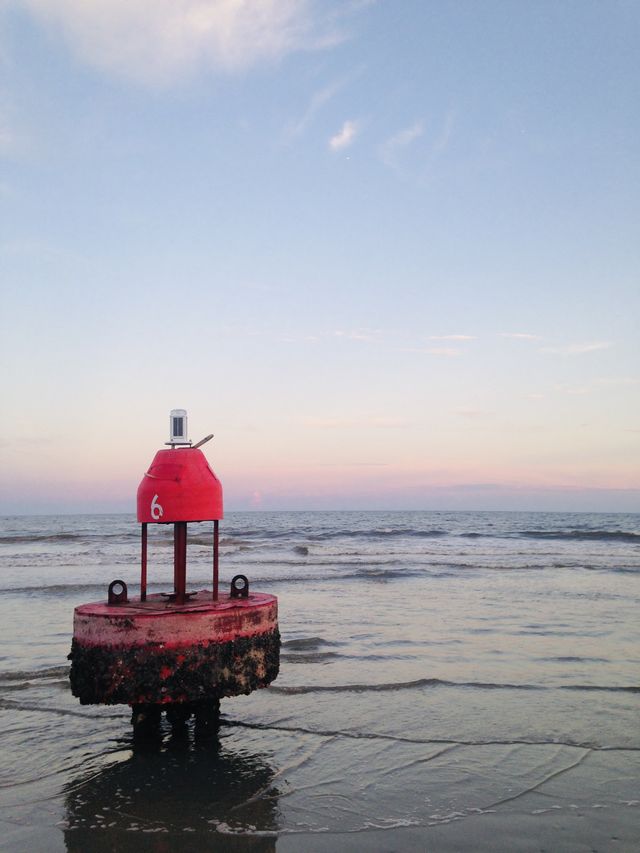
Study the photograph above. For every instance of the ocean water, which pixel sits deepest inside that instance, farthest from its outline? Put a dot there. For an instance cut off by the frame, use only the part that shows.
(449, 681)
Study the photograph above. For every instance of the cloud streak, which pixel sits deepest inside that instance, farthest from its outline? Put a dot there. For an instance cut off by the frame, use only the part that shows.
(452, 337)
(7, 137)
(352, 423)
(578, 349)
(316, 103)
(391, 150)
(358, 334)
(618, 380)
(445, 352)
(442, 142)
(158, 42)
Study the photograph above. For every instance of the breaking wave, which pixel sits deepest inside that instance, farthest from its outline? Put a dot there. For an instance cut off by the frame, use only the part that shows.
(57, 538)
(584, 535)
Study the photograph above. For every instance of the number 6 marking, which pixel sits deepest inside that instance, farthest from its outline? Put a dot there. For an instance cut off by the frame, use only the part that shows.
(156, 509)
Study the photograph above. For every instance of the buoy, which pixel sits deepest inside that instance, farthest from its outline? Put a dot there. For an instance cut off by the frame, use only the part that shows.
(177, 651)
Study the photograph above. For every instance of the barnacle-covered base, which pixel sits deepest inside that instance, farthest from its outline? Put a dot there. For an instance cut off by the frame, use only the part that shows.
(158, 652)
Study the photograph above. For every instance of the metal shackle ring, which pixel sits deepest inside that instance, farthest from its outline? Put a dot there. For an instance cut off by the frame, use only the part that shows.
(118, 592)
(239, 587)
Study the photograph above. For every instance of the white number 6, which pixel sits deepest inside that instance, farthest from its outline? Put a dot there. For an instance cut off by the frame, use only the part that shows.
(156, 509)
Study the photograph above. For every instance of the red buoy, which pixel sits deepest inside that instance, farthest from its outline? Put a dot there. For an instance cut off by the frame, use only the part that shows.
(179, 486)
(179, 651)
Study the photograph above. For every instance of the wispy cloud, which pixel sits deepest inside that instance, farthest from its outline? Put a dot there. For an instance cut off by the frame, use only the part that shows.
(471, 413)
(160, 41)
(289, 339)
(358, 334)
(618, 380)
(7, 137)
(452, 337)
(394, 151)
(388, 423)
(573, 391)
(11, 140)
(391, 149)
(578, 349)
(442, 140)
(373, 422)
(316, 103)
(345, 136)
(521, 336)
(445, 352)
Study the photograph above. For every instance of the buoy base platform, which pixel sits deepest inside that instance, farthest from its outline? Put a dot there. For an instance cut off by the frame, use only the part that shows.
(158, 652)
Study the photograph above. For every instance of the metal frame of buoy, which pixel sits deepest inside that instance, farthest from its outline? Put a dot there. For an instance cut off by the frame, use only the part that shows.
(179, 488)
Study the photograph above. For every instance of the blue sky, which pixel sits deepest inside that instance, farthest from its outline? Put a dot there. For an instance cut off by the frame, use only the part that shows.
(387, 252)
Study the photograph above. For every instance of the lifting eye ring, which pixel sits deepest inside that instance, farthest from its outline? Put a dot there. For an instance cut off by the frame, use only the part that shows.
(239, 587)
(118, 592)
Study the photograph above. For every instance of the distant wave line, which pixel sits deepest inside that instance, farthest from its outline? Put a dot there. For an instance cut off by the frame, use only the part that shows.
(375, 571)
(234, 536)
(437, 682)
(406, 739)
(25, 539)
(584, 535)
(253, 538)
(35, 674)
(312, 643)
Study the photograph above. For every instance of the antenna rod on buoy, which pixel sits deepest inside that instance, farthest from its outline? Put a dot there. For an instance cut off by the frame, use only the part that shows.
(203, 441)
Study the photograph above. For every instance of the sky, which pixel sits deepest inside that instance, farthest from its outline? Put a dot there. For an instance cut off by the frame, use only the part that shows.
(387, 252)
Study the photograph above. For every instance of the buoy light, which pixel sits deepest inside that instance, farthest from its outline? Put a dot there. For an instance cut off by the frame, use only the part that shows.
(178, 428)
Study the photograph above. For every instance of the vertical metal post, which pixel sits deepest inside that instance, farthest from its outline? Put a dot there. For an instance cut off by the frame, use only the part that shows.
(180, 561)
(143, 564)
(215, 559)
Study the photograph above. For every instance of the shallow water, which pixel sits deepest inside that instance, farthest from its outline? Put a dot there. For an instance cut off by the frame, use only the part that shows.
(449, 681)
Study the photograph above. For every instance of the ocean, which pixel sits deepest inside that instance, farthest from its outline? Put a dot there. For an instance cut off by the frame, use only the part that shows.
(449, 682)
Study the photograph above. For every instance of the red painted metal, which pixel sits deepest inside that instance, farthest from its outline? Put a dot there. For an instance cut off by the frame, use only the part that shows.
(179, 486)
(143, 565)
(158, 622)
(216, 542)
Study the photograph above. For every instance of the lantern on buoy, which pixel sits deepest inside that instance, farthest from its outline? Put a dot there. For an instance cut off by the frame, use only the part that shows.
(177, 651)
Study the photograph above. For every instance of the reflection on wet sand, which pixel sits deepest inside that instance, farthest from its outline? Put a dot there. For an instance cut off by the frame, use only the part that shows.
(170, 794)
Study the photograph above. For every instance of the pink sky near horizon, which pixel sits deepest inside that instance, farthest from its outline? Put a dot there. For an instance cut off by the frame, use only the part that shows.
(106, 478)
